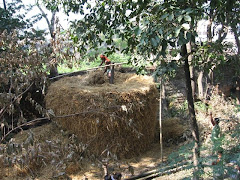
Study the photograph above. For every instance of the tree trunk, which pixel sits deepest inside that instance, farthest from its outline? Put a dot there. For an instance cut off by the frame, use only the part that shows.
(51, 27)
(236, 38)
(191, 69)
(53, 70)
(200, 85)
(209, 30)
(160, 120)
(193, 121)
(164, 101)
(4, 5)
(222, 34)
(209, 39)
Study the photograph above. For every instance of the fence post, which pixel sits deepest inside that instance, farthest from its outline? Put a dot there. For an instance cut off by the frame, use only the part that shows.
(111, 81)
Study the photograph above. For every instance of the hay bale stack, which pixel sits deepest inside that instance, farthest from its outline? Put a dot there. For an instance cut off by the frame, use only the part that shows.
(120, 117)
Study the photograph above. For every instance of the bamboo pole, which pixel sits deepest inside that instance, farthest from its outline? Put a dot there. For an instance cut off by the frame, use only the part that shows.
(89, 69)
(160, 120)
(112, 74)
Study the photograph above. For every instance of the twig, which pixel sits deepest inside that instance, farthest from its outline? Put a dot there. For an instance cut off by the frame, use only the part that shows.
(25, 124)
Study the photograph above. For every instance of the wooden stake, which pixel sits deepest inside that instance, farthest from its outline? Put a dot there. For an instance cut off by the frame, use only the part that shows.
(112, 74)
(160, 119)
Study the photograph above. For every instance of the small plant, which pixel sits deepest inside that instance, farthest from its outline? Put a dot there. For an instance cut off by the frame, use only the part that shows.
(200, 106)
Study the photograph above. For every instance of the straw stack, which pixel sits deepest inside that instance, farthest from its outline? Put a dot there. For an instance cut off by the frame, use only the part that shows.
(119, 118)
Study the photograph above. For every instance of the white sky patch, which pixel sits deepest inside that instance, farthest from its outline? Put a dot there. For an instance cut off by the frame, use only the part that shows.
(42, 24)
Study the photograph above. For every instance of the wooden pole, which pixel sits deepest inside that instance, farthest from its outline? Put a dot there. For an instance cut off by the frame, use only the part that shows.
(160, 120)
(112, 74)
(90, 69)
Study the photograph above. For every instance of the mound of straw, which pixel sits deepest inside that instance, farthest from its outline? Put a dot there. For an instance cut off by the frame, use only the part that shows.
(119, 118)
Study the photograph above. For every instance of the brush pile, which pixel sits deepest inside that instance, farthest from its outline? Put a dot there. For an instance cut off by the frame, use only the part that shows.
(117, 118)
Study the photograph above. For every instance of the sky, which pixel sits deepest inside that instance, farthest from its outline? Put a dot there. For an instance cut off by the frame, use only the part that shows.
(42, 24)
(63, 18)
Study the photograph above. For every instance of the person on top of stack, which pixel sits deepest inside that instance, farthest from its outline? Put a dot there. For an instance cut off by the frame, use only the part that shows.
(106, 61)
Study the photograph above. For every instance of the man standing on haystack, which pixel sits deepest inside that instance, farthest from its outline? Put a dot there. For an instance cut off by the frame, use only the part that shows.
(106, 61)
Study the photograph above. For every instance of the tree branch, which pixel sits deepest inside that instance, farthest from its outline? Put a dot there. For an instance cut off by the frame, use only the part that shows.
(45, 17)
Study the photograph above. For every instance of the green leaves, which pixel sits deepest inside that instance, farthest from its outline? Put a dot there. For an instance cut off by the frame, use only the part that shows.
(10, 20)
(182, 40)
(75, 39)
(164, 16)
(177, 31)
(154, 43)
(170, 17)
(179, 18)
(149, 27)
(187, 18)
(137, 31)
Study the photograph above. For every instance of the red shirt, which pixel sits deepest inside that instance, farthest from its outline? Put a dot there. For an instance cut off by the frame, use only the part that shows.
(105, 60)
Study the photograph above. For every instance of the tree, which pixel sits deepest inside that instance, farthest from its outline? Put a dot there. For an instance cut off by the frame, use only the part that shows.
(8, 18)
(55, 32)
(22, 68)
(11, 19)
(211, 53)
(52, 30)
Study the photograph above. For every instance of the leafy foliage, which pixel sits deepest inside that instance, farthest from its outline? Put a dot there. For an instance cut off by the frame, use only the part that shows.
(14, 18)
(8, 20)
(149, 30)
(139, 27)
(22, 66)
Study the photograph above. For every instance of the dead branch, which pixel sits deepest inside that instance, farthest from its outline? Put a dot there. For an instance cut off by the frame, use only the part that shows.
(20, 126)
